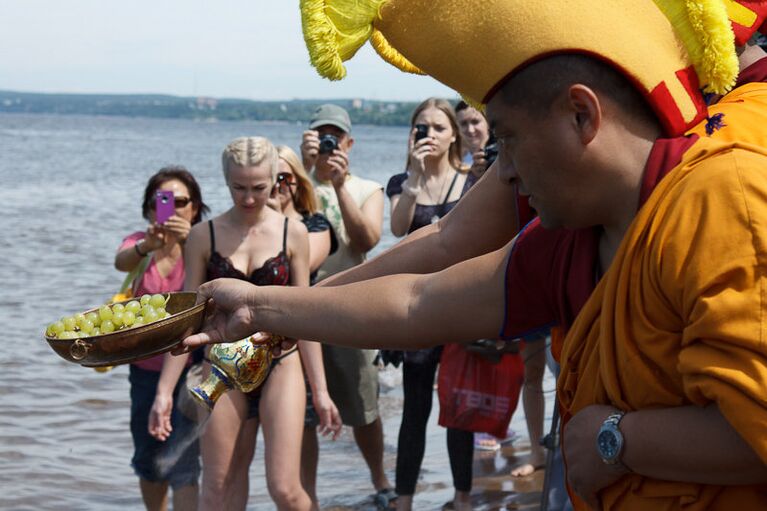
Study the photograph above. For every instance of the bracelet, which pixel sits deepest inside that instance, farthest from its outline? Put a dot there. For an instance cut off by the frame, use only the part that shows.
(409, 190)
(138, 250)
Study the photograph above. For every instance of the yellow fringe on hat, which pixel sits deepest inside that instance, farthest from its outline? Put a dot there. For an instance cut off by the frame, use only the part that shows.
(392, 56)
(705, 30)
(335, 29)
(477, 105)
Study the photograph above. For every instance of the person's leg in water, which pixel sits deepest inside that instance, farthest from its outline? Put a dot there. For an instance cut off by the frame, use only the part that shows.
(227, 447)
(154, 495)
(418, 391)
(283, 402)
(154, 482)
(460, 449)
(534, 356)
(310, 456)
(369, 439)
(352, 380)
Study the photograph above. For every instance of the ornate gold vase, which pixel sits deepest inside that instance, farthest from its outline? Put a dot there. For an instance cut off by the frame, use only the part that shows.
(243, 365)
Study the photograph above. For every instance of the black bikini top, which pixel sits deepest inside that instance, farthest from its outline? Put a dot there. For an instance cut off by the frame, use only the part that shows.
(274, 272)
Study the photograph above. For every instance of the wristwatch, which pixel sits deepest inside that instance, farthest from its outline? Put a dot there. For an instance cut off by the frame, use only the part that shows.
(610, 439)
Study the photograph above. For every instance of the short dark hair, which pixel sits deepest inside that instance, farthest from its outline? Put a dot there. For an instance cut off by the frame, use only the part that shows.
(169, 173)
(535, 87)
(462, 105)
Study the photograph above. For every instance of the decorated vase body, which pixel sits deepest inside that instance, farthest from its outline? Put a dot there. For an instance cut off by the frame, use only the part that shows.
(243, 365)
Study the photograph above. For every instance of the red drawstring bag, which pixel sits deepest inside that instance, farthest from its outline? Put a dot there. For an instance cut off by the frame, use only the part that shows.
(476, 394)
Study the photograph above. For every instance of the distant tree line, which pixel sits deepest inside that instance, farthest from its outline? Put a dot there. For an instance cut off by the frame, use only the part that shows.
(382, 113)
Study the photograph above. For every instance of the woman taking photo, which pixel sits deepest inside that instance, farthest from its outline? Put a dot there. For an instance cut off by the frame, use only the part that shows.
(252, 242)
(425, 192)
(158, 252)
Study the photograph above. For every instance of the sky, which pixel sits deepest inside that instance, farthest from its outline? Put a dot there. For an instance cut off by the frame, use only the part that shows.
(250, 49)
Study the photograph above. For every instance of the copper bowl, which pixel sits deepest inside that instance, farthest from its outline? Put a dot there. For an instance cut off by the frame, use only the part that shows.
(134, 344)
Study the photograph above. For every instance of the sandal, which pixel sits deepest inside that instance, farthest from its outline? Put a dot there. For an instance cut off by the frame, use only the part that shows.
(385, 498)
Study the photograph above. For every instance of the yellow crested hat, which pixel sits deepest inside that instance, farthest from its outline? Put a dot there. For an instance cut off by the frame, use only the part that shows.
(668, 49)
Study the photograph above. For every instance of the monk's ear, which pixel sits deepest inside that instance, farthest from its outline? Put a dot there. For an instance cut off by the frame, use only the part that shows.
(586, 112)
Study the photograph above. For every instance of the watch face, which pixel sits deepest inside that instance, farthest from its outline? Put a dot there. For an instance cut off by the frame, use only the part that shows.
(607, 442)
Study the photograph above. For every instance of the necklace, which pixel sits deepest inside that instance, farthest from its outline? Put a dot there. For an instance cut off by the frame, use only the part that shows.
(435, 217)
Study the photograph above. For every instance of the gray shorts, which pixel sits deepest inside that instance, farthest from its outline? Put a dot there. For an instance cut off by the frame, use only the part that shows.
(352, 383)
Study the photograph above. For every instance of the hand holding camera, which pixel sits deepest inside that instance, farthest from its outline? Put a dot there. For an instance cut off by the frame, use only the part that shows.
(421, 146)
(338, 161)
(310, 148)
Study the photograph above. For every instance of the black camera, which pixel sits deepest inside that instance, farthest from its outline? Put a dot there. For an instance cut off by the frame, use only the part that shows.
(491, 150)
(328, 143)
(421, 131)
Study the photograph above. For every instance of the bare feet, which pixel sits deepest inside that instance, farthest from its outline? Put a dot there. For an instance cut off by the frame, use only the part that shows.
(529, 468)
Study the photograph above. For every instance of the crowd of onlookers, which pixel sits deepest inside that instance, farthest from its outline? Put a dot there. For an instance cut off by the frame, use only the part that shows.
(296, 219)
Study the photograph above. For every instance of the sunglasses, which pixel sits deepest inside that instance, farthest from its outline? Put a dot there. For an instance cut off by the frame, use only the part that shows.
(286, 178)
(178, 202)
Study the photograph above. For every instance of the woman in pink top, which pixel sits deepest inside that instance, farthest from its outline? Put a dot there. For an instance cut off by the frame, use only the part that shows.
(163, 244)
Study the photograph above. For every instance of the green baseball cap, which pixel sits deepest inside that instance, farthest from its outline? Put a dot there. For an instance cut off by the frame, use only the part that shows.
(333, 115)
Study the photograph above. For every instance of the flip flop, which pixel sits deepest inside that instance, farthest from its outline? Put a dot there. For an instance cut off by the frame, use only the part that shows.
(485, 442)
(385, 498)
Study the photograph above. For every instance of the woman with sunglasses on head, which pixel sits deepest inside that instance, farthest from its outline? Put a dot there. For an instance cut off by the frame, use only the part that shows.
(158, 251)
(255, 243)
(295, 193)
(430, 187)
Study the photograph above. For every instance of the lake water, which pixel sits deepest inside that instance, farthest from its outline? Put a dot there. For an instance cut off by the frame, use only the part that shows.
(70, 190)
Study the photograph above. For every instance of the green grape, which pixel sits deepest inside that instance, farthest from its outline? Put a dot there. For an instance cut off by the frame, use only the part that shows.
(133, 306)
(161, 312)
(96, 331)
(117, 319)
(105, 313)
(69, 323)
(67, 334)
(128, 318)
(87, 326)
(107, 326)
(118, 307)
(151, 316)
(79, 318)
(146, 309)
(94, 318)
(57, 327)
(164, 314)
(144, 300)
(139, 321)
(157, 301)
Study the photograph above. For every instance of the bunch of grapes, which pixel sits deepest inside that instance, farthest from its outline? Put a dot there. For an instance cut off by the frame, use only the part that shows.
(147, 309)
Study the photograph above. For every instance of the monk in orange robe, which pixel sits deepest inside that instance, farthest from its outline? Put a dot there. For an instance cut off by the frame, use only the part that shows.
(673, 335)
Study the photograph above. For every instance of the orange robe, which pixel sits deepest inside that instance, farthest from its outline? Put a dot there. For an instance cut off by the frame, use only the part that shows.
(680, 318)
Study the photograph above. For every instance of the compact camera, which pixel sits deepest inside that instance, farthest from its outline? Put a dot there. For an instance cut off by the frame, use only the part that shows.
(328, 143)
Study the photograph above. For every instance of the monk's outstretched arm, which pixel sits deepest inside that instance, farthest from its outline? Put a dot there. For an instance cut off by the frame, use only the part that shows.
(484, 220)
(408, 311)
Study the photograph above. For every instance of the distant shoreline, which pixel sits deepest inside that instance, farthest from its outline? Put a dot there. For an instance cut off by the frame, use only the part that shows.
(362, 111)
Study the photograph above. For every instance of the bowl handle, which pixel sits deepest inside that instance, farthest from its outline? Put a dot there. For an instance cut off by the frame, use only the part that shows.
(79, 349)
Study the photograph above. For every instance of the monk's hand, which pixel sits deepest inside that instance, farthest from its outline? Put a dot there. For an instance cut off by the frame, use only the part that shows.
(587, 474)
(229, 314)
